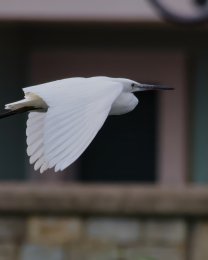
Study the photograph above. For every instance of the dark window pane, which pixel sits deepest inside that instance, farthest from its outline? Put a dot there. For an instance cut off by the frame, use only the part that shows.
(124, 149)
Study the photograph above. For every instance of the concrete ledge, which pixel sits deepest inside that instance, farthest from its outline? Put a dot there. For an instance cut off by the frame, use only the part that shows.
(28, 198)
(78, 10)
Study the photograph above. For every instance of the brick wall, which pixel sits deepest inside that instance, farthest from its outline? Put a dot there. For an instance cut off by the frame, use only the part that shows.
(93, 238)
(27, 233)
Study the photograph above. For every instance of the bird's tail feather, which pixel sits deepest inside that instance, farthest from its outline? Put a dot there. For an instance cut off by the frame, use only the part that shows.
(29, 103)
(16, 111)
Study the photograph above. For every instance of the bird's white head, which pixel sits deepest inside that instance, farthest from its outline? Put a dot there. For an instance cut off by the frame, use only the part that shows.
(133, 86)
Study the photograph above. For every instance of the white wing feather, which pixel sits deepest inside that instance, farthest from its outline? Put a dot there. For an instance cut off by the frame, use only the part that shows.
(77, 109)
(35, 135)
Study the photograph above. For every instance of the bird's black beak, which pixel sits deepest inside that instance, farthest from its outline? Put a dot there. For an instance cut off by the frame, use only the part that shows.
(145, 87)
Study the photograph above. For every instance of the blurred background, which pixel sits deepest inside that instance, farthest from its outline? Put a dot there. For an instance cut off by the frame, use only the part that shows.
(162, 143)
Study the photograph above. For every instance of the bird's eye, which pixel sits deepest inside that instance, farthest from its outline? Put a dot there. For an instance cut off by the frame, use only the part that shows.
(133, 85)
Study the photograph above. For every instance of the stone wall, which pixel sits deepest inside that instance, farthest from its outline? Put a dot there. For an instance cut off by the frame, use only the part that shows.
(92, 238)
(45, 234)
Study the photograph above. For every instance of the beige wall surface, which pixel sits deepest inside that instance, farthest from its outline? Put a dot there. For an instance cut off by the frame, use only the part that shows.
(76, 10)
(92, 10)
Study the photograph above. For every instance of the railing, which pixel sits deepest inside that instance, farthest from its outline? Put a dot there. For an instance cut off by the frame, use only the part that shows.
(27, 198)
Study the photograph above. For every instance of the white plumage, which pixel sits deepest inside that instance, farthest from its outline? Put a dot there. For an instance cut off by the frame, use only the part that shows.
(70, 112)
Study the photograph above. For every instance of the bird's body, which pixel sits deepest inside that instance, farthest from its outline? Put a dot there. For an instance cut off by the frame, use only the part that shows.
(65, 115)
(123, 104)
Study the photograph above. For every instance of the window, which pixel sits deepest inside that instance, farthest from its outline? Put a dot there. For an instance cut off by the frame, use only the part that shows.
(161, 140)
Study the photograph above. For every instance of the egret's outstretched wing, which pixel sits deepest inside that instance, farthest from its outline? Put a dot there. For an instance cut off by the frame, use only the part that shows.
(75, 115)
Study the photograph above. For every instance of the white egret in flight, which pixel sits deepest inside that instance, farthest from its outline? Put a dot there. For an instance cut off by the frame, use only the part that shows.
(65, 115)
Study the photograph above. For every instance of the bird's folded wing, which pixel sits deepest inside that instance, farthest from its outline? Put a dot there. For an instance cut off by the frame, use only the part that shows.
(75, 115)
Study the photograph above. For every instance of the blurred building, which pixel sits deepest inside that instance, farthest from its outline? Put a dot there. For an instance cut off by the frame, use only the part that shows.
(163, 142)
